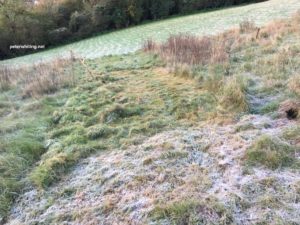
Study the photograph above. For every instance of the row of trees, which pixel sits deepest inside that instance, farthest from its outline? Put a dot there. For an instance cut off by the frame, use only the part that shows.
(52, 22)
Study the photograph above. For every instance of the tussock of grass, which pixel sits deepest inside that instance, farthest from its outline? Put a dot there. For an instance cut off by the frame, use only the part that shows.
(270, 107)
(193, 212)
(116, 112)
(247, 26)
(174, 155)
(294, 84)
(270, 152)
(292, 134)
(53, 167)
(100, 131)
(233, 97)
(6, 77)
(18, 151)
(214, 81)
(244, 127)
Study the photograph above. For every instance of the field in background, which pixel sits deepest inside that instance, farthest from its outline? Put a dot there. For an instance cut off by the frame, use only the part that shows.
(130, 40)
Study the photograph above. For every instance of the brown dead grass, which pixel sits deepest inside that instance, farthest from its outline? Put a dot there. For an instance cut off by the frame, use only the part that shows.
(39, 79)
(294, 84)
(190, 50)
(5, 79)
(290, 109)
(185, 49)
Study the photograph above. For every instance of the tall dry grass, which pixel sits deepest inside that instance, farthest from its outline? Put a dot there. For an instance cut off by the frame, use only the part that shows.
(190, 50)
(39, 79)
(5, 79)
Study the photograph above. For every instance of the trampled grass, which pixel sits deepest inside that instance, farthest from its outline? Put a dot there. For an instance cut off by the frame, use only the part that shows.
(204, 23)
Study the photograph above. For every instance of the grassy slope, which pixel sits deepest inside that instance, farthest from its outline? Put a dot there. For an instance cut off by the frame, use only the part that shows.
(120, 101)
(129, 40)
(123, 101)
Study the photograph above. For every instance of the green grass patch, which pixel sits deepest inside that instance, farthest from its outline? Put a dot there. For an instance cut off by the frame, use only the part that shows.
(271, 152)
(233, 97)
(292, 134)
(100, 131)
(269, 107)
(193, 212)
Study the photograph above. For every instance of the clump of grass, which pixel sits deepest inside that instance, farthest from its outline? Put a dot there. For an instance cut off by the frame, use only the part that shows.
(117, 112)
(100, 131)
(214, 81)
(294, 84)
(270, 152)
(50, 169)
(149, 45)
(244, 127)
(270, 201)
(282, 61)
(233, 97)
(174, 155)
(292, 134)
(6, 77)
(270, 107)
(16, 156)
(194, 212)
(247, 26)
(47, 172)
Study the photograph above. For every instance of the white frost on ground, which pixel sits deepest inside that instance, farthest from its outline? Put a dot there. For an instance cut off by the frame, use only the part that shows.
(122, 187)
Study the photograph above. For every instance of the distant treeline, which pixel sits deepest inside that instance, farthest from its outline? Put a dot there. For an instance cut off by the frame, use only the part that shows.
(52, 22)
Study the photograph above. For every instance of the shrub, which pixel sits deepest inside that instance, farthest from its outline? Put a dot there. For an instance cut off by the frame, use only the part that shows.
(59, 35)
(100, 17)
(270, 152)
(79, 22)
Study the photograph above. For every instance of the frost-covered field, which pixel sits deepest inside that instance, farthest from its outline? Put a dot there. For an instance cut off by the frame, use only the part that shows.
(131, 39)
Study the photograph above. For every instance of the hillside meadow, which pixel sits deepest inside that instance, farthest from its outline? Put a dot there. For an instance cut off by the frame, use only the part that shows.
(190, 130)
